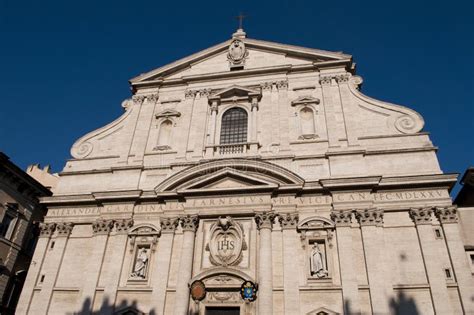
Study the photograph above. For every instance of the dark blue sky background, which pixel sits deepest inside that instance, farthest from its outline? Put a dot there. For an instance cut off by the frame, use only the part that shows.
(65, 65)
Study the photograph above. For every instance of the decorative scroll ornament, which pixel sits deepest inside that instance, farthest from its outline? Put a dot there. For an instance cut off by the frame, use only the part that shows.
(237, 53)
(227, 242)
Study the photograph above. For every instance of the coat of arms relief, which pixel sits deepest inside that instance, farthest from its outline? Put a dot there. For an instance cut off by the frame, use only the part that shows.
(237, 53)
(227, 242)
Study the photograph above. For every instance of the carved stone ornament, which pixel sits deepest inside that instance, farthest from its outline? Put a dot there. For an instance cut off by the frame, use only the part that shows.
(189, 223)
(317, 262)
(237, 53)
(342, 217)
(102, 226)
(289, 220)
(140, 268)
(64, 228)
(447, 214)
(169, 225)
(122, 226)
(144, 235)
(46, 229)
(325, 80)
(198, 290)
(227, 242)
(264, 220)
(370, 217)
(421, 215)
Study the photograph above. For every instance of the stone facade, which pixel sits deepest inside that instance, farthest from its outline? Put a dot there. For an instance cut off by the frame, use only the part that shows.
(329, 201)
(20, 213)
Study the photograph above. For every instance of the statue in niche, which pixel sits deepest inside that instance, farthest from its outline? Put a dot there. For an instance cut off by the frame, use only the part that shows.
(317, 262)
(140, 264)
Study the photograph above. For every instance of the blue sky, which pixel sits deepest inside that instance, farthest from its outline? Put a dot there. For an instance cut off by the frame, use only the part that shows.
(65, 65)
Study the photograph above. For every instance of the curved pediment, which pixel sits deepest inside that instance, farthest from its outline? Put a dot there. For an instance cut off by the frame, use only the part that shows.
(227, 175)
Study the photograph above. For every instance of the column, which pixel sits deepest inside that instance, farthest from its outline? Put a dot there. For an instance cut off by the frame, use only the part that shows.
(119, 243)
(212, 130)
(101, 229)
(253, 122)
(46, 230)
(189, 225)
(264, 222)
(350, 287)
(380, 286)
(449, 221)
(289, 223)
(161, 268)
(51, 267)
(434, 270)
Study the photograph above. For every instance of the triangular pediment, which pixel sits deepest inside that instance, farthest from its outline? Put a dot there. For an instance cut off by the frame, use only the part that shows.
(235, 90)
(262, 54)
(305, 100)
(227, 179)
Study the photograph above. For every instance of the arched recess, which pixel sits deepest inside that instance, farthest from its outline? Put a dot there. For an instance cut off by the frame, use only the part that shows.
(164, 135)
(259, 171)
(308, 126)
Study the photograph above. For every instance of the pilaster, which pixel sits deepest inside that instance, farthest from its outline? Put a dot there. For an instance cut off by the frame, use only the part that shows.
(448, 218)
(349, 108)
(347, 261)
(380, 285)
(161, 267)
(189, 225)
(329, 109)
(430, 251)
(289, 223)
(264, 223)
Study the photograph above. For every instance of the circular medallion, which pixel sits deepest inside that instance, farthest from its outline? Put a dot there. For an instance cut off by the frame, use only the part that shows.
(198, 290)
(248, 291)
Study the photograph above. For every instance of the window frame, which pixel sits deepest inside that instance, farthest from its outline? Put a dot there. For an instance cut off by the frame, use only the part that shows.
(221, 120)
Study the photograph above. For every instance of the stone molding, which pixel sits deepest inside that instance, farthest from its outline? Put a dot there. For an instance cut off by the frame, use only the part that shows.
(102, 226)
(369, 217)
(288, 220)
(122, 226)
(447, 214)
(421, 215)
(46, 229)
(264, 220)
(189, 223)
(342, 218)
(64, 228)
(169, 225)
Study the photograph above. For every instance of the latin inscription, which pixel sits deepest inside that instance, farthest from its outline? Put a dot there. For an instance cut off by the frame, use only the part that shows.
(66, 212)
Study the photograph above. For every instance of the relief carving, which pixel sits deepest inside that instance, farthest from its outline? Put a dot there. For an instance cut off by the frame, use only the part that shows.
(169, 225)
(189, 223)
(370, 217)
(447, 214)
(122, 226)
(421, 215)
(318, 262)
(141, 264)
(237, 53)
(264, 220)
(342, 217)
(64, 228)
(46, 229)
(288, 221)
(102, 226)
(227, 242)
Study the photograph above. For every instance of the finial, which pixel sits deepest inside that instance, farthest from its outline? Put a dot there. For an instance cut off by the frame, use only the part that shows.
(240, 31)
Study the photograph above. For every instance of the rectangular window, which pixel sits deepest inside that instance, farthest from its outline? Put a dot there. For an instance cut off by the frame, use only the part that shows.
(7, 226)
(447, 272)
(438, 233)
(472, 258)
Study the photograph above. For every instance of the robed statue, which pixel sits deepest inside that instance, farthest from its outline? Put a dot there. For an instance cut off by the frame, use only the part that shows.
(139, 271)
(318, 262)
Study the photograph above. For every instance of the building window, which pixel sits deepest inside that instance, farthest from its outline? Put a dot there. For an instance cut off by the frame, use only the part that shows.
(447, 273)
(234, 126)
(472, 258)
(438, 234)
(7, 226)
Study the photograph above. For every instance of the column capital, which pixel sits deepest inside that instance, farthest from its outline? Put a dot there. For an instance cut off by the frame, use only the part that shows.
(64, 229)
(369, 217)
(264, 220)
(102, 226)
(189, 223)
(122, 226)
(169, 225)
(447, 214)
(325, 80)
(288, 220)
(421, 215)
(46, 229)
(342, 217)
(189, 93)
(342, 78)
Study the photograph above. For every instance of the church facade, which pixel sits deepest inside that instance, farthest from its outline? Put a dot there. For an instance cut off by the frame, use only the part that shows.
(252, 178)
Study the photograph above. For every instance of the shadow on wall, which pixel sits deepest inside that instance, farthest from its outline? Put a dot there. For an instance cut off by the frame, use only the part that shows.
(400, 305)
(123, 308)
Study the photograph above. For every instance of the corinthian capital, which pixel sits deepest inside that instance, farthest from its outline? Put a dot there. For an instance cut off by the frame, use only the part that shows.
(46, 229)
(342, 217)
(289, 220)
(168, 225)
(369, 216)
(264, 220)
(447, 214)
(122, 226)
(64, 228)
(190, 223)
(102, 226)
(421, 215)
(325, 80)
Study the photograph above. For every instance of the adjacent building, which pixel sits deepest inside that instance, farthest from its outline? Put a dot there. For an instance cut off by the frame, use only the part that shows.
(252, 178)
(20, 213)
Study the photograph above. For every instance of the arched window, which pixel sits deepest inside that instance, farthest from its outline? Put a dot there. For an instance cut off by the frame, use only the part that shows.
(234, 126)
(307, 122)
(164, 136)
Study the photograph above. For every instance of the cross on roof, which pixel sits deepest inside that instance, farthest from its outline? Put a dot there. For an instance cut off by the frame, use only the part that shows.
(240, 17)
